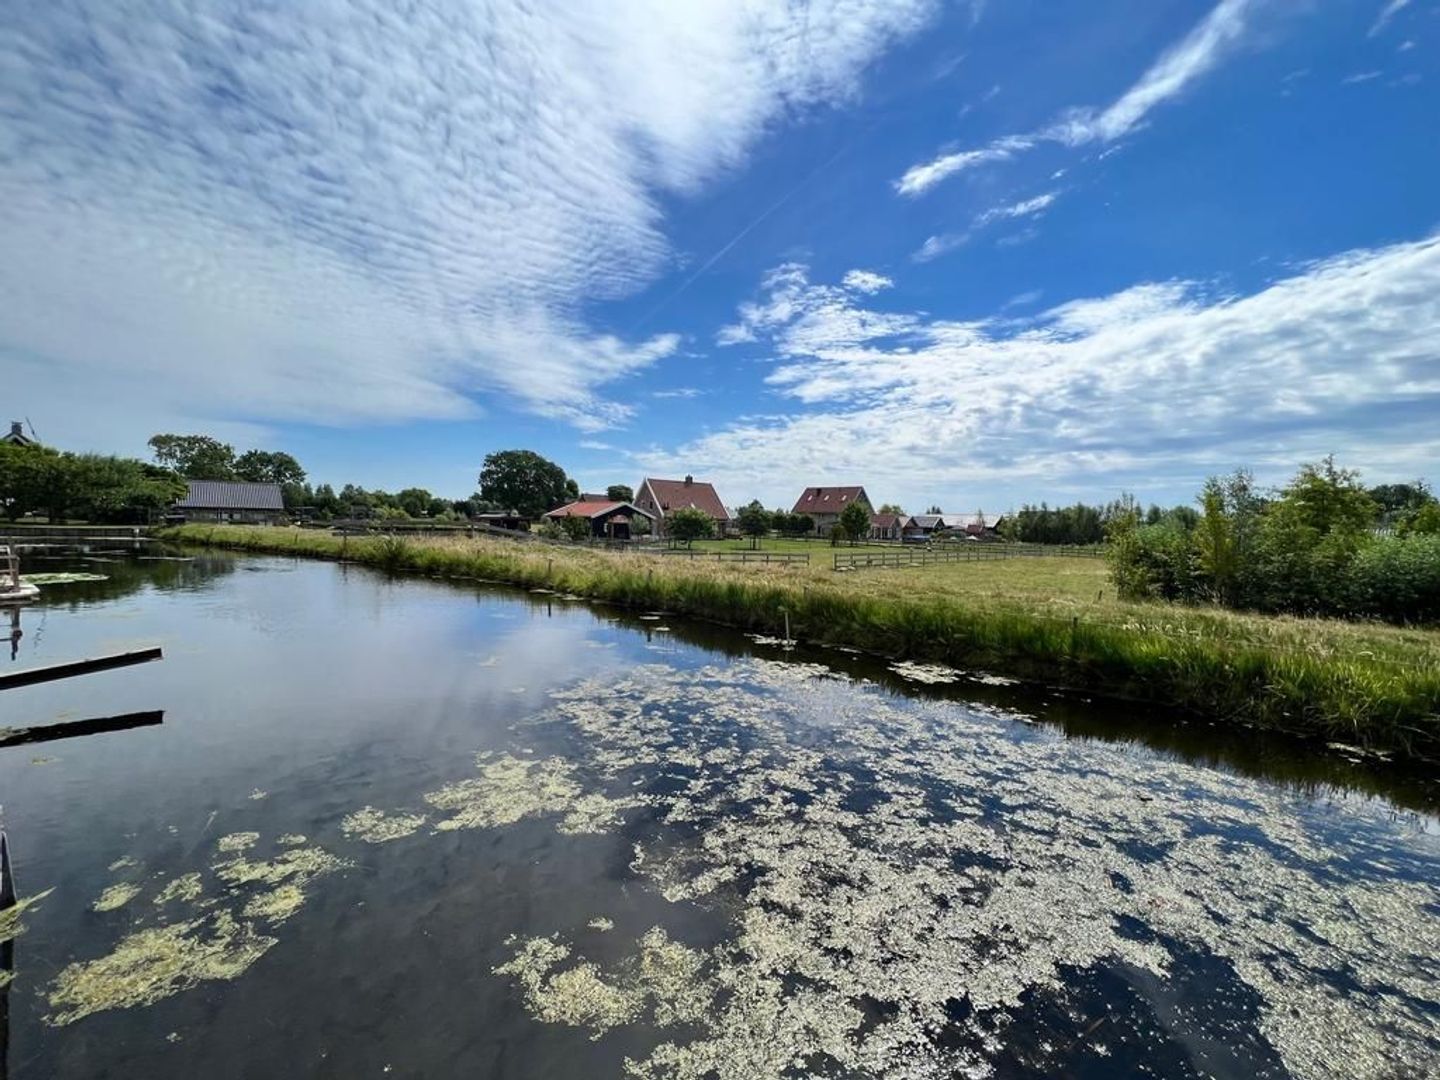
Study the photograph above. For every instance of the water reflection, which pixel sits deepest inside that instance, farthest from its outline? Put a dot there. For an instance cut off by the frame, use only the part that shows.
(464, 831)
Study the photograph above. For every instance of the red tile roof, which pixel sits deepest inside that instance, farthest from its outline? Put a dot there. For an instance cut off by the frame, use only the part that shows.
(827, 500)
(887, 521)
(672, 495)
(594, 508)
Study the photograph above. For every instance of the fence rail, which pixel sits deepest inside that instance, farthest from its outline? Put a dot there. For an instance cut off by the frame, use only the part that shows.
(737, 556)
(931, 556)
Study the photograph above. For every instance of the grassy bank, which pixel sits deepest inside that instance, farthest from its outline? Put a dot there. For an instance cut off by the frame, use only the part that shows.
(1053, 619)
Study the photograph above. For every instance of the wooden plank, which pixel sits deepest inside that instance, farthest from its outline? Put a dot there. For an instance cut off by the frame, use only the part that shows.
(11, 679)
(73, 729)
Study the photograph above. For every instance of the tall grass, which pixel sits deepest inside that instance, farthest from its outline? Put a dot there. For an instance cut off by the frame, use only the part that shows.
(1386, 698)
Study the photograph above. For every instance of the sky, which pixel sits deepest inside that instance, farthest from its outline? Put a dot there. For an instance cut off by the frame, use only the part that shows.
(973, 254)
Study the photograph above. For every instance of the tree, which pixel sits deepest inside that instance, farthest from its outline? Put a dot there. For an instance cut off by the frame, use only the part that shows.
(689, 524)
(28, 476)
(196, 457)
(525, 482)
(414, 501)
(1397, 500)
(934, 510)
(754, 521)
(619, 493)
(855, 520)
(892, 508)
(572, 490)
(268, 467)
(575, 527)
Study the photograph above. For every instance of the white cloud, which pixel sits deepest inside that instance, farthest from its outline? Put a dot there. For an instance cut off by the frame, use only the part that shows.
(940, 244)
(342, 214)
(1025, 208)
(1388, 12)
(678, 392)
(1197, 53)
(921, 178)
(1360, 77)
(1151, 387)
(866, 281)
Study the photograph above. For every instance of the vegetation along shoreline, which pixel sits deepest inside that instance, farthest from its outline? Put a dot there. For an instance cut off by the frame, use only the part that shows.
(1359, 683)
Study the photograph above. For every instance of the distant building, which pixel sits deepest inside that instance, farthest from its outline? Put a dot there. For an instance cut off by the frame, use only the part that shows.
(231, 501)
(17, 436)
(887, 526)
(609, 520)
(660, 498)
(981, 525)
(923, 526)
(824, 504)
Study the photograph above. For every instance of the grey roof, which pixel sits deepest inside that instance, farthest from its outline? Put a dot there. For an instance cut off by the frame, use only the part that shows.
(230, 495)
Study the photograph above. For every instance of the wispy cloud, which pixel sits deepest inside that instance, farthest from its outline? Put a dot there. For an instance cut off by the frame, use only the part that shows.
(337, 214)
(1387, 13)
(678, 392)
(1157, 384)
(943, 243)
(1196, 54)
(1361, 77)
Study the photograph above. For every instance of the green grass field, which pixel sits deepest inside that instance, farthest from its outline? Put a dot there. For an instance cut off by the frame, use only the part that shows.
(1051, 618)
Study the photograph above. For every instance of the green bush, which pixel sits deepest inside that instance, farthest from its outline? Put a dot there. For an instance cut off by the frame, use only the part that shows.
(1398, 578)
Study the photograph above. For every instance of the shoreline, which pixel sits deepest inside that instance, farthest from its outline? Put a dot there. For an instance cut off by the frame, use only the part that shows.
(1358, 699)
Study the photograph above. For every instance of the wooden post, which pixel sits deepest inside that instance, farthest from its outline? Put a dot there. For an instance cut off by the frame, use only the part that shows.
(10, 680)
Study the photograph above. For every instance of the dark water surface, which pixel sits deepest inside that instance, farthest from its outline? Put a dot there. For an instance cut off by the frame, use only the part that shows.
(395, 827)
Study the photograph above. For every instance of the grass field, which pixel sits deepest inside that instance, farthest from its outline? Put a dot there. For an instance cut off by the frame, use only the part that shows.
(1051, 618)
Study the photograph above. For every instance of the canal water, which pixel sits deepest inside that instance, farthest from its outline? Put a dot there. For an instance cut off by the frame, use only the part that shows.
(395, 827)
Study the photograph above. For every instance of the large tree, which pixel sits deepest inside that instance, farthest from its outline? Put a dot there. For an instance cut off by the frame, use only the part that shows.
(523, 481)
(620, 493)
(195, 457)
(268, 467)
(855, 520)
(754, 520)
(689, 524)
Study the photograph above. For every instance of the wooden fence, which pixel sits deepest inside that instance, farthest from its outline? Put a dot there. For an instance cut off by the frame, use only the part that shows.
(737, 556)
(932, 556)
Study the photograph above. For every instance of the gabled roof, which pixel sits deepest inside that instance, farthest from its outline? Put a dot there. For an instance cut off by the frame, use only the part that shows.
(230, 495)
(927, 521)
(593, 508)
(827, 500)
(672, 495)
(965, 521)
(887, 521)
(17, 436)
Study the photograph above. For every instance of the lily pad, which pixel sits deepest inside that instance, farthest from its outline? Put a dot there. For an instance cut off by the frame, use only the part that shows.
(62, 578)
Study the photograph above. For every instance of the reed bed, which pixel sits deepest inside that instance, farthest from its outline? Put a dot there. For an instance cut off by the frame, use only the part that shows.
(1052, 619)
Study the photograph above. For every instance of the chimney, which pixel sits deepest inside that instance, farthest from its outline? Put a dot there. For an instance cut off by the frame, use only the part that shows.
(17, 428)
(688, 479)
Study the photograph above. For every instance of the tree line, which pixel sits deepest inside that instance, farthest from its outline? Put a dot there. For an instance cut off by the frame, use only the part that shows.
(1323, 544)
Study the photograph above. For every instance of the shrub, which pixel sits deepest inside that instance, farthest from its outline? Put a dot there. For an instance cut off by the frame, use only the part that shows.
(1398, 578)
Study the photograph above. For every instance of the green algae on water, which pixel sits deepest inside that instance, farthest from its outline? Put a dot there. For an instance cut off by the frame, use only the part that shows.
(511, 788)
(10, 925)
(291, 840)
(153, 964)
(300, 864)
(186, 888)
(237, 841)
(376, 827)
(277, 905)
(116, 896)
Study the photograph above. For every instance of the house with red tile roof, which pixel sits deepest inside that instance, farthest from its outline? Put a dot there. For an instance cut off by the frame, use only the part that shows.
(825, 504)
(660, 498)
(887, 526)
(609, 520)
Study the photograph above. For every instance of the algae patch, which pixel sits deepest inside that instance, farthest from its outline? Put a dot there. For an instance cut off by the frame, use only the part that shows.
(277, 905)
(185, 888)
(153, 964)
(116, 896)
(10, 925)
(376, 827)
(237, 841)
(511, 788)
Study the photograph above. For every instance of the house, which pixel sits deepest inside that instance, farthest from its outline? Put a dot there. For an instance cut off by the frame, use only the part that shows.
(609, 520)
(232, 501)
(981, 525)
(824, 504)
(887, 526)
(510, 520)
(920, 527)
(17, 436)
(660, 498)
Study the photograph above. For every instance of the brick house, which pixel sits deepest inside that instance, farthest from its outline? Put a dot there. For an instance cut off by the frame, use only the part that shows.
(660, 498)
(825, 504)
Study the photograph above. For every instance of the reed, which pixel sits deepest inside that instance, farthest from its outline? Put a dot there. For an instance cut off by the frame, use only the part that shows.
(1360, 683)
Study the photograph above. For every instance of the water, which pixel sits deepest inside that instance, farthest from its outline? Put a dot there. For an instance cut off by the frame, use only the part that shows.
(598, 842)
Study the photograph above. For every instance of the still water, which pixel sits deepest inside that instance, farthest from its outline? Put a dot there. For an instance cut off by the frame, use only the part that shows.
(403, 828)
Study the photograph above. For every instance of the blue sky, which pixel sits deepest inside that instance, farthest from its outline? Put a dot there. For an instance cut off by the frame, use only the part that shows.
(972, 253)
